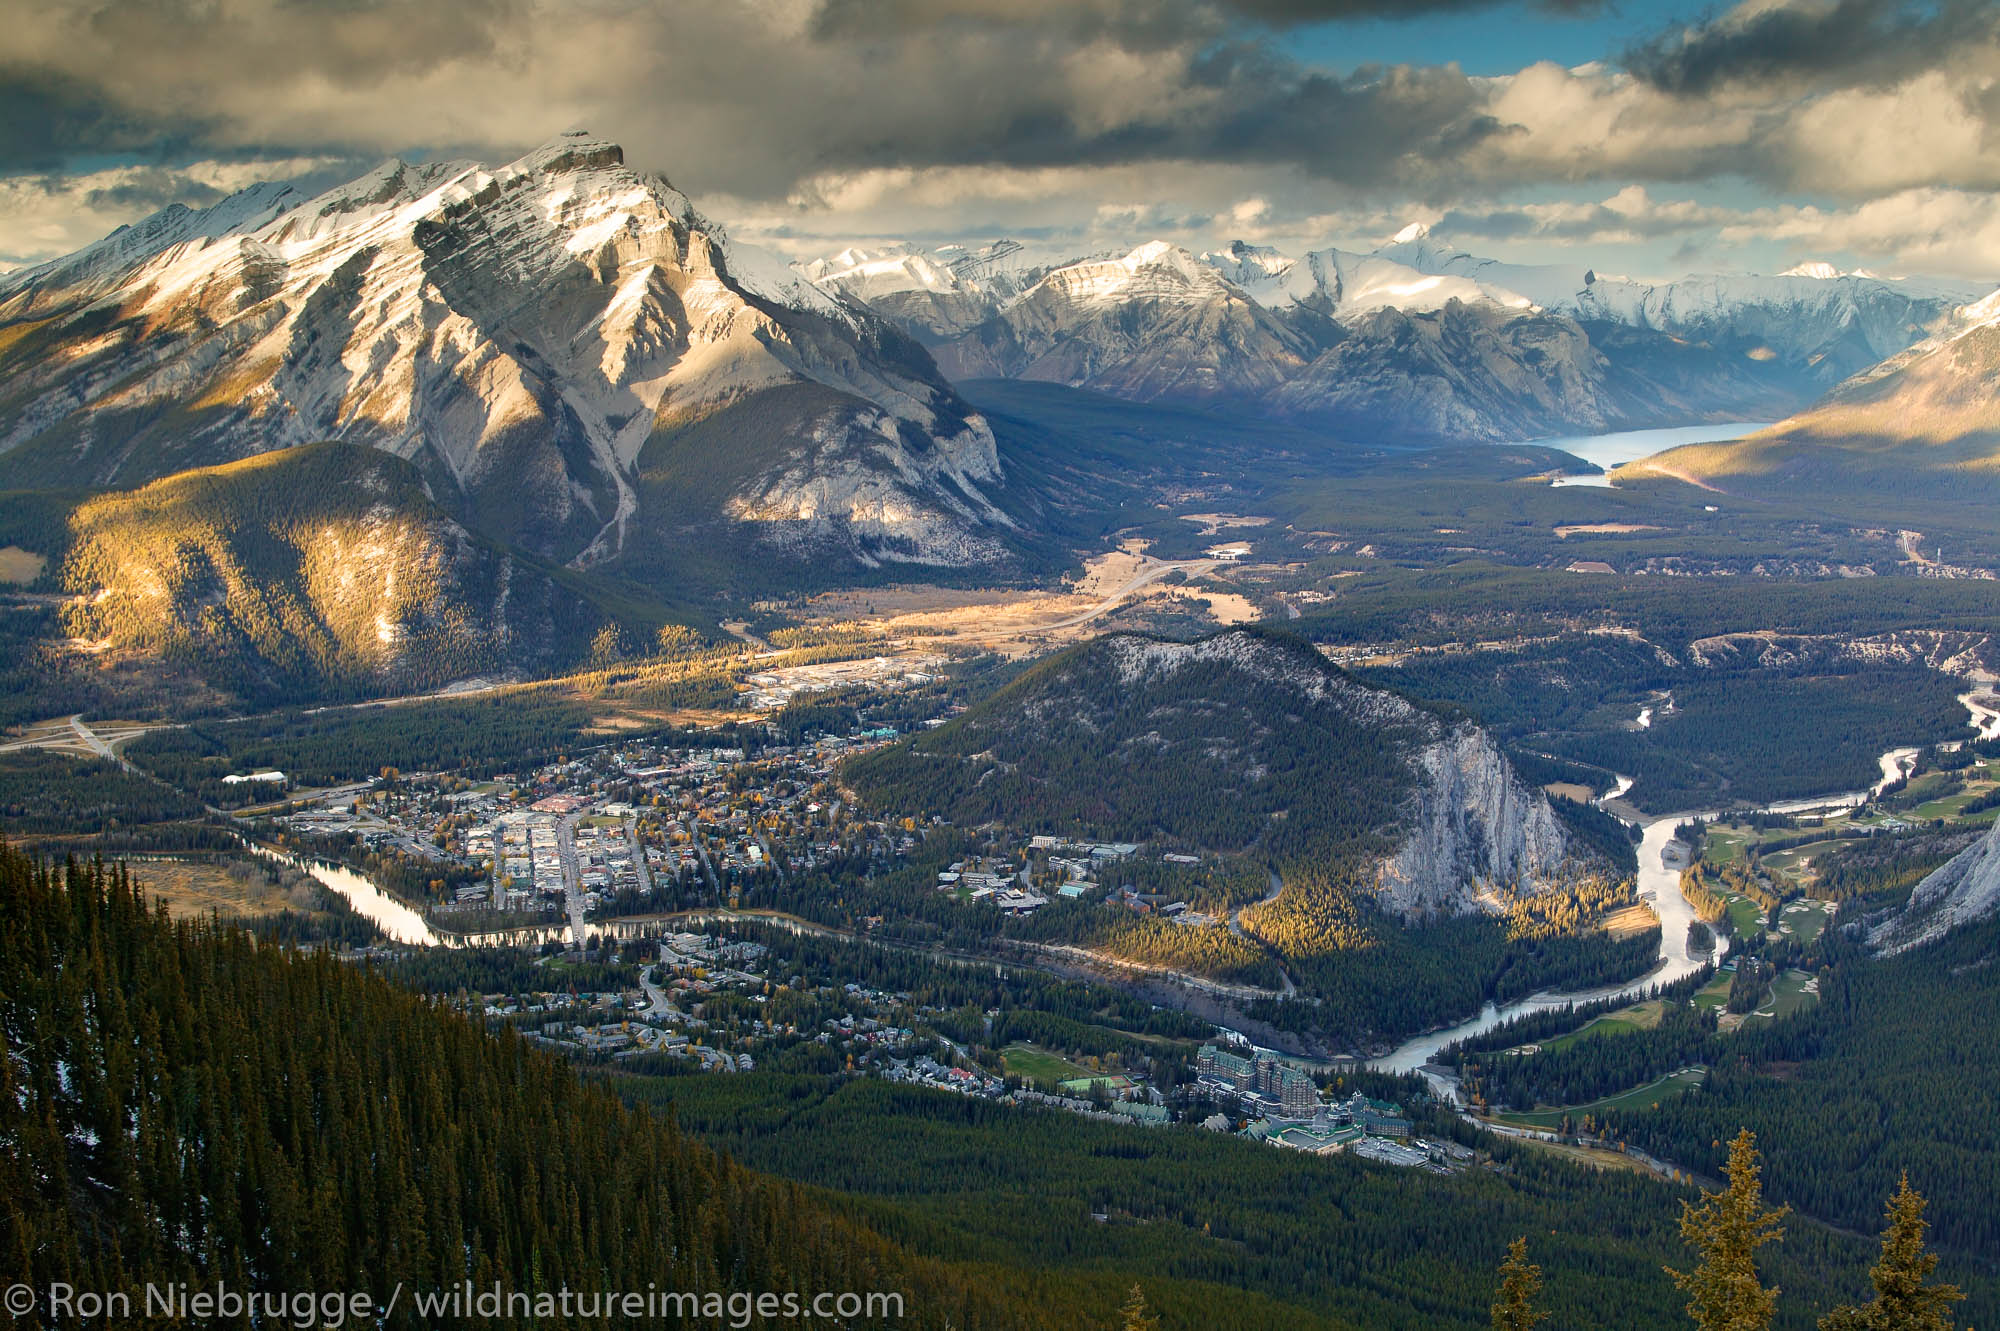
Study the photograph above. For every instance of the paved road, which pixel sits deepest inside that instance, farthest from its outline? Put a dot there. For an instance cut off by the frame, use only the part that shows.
(1236, 927)
(657, 1002)
(639, 856)
(572, 877)
(770, 855)
(701, 853)
(74, 734)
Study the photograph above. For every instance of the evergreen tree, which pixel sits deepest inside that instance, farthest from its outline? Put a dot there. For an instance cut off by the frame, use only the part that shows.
(1727, 1228)
(1138, 1317)
(1903, 1301)
(1520, 1286)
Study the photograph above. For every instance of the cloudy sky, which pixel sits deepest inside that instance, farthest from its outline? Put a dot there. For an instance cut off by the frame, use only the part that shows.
(1648, 137)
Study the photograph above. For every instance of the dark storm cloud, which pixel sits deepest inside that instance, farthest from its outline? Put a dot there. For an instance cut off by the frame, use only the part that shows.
(150, 190)
(1247, 104)
(1846, 43)
(51, 118)
(1632, 214)
(738, 97)
(763, 99)
(1359, 129)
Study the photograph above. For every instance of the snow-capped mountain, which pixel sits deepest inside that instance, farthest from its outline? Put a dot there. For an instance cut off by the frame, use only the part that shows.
(1361, 344)
(1156, 323)
(535, 336)
(1926, 421)
(1341, 283)
(937, 293)
(1415, 339)
(1825, 324)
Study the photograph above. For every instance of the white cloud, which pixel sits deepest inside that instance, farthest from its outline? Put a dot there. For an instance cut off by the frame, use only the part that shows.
(1915, 230)
(43, 216)
(835, 121)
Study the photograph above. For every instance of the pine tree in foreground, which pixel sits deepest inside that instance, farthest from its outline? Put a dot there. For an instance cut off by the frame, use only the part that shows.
(1727, 1228)
(1903, 1301)
(1138, 1317)
(1520, 1285)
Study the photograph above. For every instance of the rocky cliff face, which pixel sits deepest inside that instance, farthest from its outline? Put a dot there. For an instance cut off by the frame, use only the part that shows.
(521, 332)
(1473, 823)
(1963, 889)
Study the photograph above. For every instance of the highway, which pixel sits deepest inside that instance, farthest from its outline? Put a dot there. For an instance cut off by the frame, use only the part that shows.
(70, 735)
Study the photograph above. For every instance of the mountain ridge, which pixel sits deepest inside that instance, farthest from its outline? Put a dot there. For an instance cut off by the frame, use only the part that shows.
(519, 332)
(1327, 337)
(313, 571)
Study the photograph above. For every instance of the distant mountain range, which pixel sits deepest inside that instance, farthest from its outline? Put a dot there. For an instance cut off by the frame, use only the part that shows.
(583, 367)
(1413, 341)
(1926, 418)
(606, 408)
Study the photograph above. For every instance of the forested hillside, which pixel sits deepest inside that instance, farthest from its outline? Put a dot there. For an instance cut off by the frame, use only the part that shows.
(1253, 739)
(1370, 812)
(319, 570)
(1227, 1235)
(1896, 1070)
(349, 1136)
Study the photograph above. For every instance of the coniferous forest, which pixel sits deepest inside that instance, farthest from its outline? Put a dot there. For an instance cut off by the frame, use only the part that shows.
(182, 1103)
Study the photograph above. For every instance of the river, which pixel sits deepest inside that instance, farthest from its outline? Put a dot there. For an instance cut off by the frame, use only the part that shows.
(398, 923)
(1659, 888)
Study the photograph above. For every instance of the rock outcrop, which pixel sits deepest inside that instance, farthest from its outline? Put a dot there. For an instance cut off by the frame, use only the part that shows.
(1473, 822)
(1963, 889)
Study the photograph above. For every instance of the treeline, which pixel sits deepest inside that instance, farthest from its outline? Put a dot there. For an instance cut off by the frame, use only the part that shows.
(1436, 604)
(1533, 1027)
(1739, 736)
(352, 1137)
(1883, 869)
(1081, 1008)
(1565, 706)
(1725, 1230)
(1585, 1070)
(1210, 950)
(1616, 840)
(44, 793)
